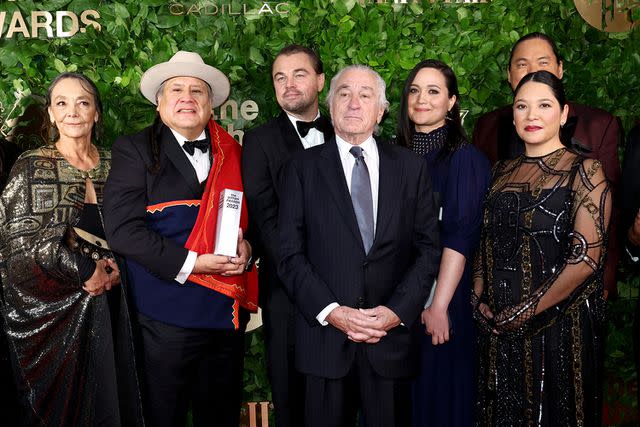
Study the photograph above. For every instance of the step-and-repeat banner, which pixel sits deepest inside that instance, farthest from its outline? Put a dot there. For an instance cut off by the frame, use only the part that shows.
(114, 42)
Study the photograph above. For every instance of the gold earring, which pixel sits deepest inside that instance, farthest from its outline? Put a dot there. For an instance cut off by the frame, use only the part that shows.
(54, 134)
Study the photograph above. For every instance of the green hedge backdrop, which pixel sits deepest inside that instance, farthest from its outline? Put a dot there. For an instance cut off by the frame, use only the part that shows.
(601, 69)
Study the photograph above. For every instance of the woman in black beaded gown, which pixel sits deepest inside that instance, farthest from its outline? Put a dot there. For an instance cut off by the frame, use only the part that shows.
(430, 125)
(538, 278)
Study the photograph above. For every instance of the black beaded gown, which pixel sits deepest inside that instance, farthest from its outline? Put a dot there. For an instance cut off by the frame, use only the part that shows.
(543, 243)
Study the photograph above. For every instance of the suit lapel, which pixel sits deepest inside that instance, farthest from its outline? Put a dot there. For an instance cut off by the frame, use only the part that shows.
(179, 159)
(332, 172)
(390, 181)
(289, 135)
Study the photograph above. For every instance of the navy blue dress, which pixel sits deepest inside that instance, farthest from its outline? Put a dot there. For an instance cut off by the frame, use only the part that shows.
(443, 393)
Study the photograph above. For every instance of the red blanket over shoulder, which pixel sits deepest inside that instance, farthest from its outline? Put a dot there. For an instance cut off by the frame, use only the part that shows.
(224, 173)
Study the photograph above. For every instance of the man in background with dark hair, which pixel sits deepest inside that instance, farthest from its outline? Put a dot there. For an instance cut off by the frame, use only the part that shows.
(592, 131)
(298, 78)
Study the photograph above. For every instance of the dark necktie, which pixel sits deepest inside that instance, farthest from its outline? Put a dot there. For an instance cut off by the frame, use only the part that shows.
(303, 127)
(200, 144)
(361, 198)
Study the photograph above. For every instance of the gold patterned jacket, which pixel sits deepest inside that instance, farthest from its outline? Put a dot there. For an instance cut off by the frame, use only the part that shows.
(53, 325)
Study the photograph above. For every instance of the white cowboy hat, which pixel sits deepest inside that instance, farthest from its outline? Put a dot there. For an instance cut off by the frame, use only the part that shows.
(185, 64)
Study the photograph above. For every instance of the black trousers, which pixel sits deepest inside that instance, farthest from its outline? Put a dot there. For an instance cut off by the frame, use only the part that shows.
(381, 402)
(287, 384)
(181, 367)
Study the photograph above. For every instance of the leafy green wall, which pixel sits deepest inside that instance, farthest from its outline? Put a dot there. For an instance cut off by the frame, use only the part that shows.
(601, 69)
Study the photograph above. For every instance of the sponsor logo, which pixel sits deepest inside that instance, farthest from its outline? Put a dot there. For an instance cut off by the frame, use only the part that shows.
(612, 16)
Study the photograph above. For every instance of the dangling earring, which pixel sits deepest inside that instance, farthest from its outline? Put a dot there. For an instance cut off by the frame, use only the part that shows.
(54, 134)
(448, 116)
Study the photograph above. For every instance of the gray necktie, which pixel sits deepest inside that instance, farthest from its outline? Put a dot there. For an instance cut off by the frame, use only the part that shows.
(361, 197)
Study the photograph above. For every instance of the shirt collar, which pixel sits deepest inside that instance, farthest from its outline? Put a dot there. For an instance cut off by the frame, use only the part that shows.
(181, 138)
(294, 120)
(368, 146)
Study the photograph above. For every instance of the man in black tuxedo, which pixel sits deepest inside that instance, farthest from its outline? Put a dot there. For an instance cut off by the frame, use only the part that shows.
(298, 78)
(192, 337)
(359, 251)
(594, 132)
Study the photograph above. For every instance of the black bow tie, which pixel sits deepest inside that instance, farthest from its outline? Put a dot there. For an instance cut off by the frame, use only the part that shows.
(200, 144)
(303, 127)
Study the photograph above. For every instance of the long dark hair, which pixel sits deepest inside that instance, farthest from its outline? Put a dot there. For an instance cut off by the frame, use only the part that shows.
(88, 85)
(154, 143)
(406, 127)
(557, 88)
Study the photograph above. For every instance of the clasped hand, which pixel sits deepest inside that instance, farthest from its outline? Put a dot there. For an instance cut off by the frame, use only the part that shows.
(363, 325)
(224, 265)
(510, 320)
(104, 277)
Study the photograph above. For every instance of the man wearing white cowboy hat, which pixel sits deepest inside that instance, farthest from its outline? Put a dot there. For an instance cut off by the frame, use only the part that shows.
(160, 209)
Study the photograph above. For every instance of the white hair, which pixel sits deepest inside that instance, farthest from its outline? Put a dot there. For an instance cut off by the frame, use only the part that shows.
(382, 87)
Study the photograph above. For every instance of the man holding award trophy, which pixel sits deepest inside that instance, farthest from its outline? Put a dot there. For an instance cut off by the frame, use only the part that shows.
(174, 210)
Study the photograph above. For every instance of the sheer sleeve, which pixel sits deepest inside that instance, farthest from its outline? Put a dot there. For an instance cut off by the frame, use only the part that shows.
(580, 272)
(478, 295)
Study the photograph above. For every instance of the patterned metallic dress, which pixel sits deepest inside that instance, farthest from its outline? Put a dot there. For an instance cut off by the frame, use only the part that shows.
(540, 272)
(60, 337)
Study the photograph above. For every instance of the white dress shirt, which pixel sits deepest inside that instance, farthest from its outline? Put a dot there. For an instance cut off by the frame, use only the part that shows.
(201, 163)
(313, 138)
(372, 159)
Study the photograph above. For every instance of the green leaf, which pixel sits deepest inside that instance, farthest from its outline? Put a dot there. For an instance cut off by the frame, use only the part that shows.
(255, 55)
(121, 10)
(59, 65)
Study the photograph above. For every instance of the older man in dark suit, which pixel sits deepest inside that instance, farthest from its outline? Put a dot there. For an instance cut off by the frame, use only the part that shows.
(359, 251)
(592, 131)
(298, 78)
(160, 205)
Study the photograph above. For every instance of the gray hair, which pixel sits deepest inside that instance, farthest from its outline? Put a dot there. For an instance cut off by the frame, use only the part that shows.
(161, 89)
(382, 87)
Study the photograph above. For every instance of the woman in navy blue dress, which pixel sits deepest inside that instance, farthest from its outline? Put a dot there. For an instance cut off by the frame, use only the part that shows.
(430, 125)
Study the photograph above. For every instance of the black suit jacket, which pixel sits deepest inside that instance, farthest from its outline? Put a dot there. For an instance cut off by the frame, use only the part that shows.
(265, 149)
(131, 188)
(152, 242)
(323, 258)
